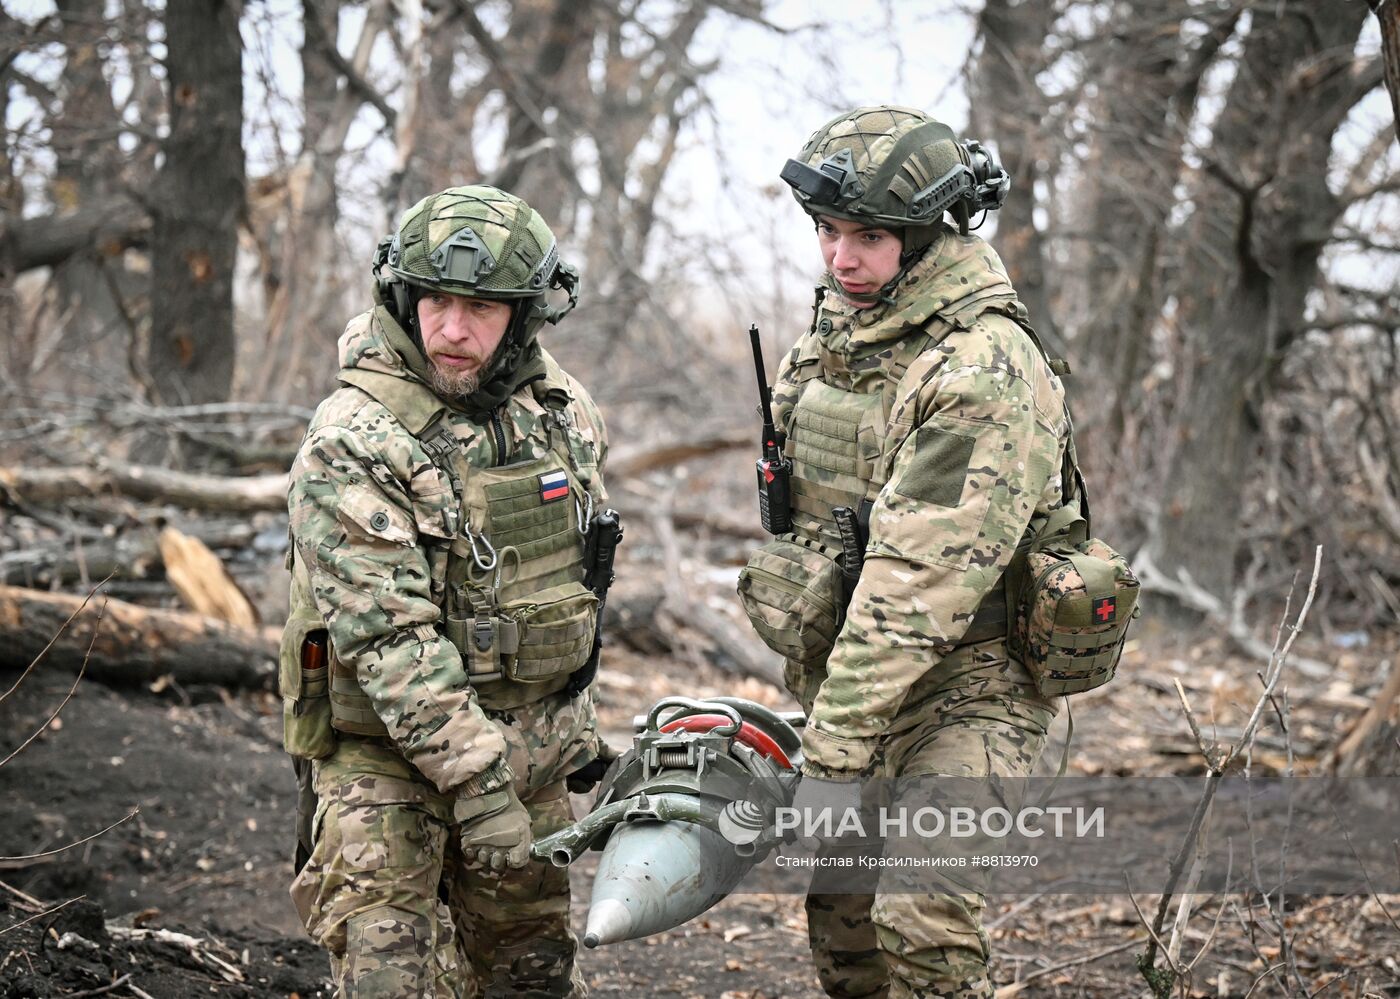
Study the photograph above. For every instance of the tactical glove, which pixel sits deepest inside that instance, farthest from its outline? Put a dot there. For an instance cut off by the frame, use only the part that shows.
(495, 829)
(586, 777)
(822, 806)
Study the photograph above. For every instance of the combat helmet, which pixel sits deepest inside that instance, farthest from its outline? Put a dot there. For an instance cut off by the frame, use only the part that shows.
(478, 241)
(897, 168)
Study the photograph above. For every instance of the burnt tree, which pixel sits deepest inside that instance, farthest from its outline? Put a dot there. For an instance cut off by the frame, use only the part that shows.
(1264, 213)
(197, 204)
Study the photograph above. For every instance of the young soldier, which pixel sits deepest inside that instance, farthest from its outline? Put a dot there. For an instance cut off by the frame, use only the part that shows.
(440, 644)
(924, 423)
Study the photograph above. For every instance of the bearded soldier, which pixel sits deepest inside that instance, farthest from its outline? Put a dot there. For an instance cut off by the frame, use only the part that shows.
(927, 429)
(441, 641)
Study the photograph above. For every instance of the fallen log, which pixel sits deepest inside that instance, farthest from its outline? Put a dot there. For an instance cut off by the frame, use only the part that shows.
(1372, 745)
(254, 493)
(131, 554)
(626, 462)
(216, 493)
(732, 649)
(132, 646)
(203, 583)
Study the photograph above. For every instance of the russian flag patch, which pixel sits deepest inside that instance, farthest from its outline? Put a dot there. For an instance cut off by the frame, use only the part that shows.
(553, 486)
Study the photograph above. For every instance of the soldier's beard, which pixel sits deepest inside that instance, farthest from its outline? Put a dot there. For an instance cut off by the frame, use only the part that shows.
(451, 384)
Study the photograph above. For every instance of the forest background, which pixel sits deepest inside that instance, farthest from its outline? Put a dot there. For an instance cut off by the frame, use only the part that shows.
(1204, 219)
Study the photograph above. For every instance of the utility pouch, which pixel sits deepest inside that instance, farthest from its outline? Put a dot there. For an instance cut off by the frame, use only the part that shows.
(303, 679)
(1072, 614)
(472, 625)
(554, 628)
(792, 592)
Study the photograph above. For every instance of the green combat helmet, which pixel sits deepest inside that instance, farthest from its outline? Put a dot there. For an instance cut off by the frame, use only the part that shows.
(896, 168)
(477, 241)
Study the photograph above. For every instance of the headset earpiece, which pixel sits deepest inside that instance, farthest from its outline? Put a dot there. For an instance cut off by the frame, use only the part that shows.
(401, 306)
(565, 277)
(990, 180)
(393, 292)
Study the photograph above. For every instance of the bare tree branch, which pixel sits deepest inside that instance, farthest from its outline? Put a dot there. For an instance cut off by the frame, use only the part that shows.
(318, 34)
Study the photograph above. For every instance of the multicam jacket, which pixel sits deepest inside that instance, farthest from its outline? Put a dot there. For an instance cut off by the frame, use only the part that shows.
(371, 519)
(973, 449)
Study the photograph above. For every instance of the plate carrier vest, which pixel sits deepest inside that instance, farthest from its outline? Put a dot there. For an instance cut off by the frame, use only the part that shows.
(514, 604)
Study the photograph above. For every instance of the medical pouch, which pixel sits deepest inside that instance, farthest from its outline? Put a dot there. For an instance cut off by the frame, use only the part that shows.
(1073, 608)
(791, 590)
(303, 680)
(555, 627)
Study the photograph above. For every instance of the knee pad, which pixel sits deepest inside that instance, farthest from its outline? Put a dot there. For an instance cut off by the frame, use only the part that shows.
(541, 969)
(389, 953)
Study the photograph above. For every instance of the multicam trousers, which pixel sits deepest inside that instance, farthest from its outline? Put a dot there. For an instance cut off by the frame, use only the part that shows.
(386, 891)
(985, 721)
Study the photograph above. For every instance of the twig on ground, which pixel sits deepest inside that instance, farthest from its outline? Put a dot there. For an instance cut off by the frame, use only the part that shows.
(29, 901)
(1006, 991)
(102, 990)
(1217, 763)
(197, 947)
(1024, 903)
(21, 861)
(41, 915)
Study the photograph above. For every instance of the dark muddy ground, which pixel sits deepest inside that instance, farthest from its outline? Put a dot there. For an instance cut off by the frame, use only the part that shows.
(206, 856)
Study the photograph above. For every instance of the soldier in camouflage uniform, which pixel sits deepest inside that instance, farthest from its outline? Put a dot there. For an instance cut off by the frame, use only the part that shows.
(920, 398)
(436, 660)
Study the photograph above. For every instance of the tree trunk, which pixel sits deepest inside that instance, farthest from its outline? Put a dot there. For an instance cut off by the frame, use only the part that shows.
(1004, 96)
(197, 203)
(1388, 14)
(552, 30)
(11, 207)
(306, 312)
(1259, 211)
(87, 174)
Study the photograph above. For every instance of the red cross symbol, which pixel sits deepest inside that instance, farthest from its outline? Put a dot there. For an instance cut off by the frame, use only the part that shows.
(1104, 609)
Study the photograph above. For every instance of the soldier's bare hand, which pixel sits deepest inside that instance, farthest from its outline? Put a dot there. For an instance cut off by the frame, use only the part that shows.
(495, 830)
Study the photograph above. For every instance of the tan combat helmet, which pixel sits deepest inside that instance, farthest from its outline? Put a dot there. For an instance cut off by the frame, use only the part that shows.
(897, 168)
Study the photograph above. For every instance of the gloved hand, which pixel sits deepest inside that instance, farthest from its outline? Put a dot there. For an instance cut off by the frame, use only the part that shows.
(823, 805)
(495, 829)
(586, 777)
